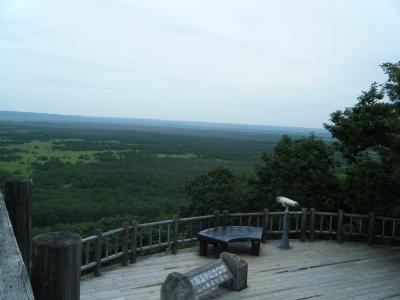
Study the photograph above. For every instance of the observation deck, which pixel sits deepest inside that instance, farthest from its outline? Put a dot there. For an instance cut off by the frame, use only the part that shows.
(322, 269)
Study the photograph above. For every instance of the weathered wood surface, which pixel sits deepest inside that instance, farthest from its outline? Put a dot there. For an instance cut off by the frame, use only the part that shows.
(323, 269)
(14, 280)
(56, 261)
(18, 199)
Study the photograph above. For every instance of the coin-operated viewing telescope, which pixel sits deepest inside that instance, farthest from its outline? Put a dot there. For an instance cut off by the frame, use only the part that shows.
(286, 202)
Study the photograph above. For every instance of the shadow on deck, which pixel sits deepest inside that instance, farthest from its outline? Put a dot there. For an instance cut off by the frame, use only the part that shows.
(322, 269)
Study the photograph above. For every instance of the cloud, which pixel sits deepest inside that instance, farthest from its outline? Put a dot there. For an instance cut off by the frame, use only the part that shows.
(267, 62)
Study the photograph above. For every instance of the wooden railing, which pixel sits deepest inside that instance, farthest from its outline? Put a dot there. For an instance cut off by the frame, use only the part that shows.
(126, 243)
(14, 279)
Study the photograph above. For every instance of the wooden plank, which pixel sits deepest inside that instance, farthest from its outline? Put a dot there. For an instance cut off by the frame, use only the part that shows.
(14, 280)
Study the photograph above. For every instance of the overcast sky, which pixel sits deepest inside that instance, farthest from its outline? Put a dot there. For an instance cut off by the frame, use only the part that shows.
(256, 62)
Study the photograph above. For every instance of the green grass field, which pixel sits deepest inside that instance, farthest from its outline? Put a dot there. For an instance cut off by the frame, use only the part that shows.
(36, 151)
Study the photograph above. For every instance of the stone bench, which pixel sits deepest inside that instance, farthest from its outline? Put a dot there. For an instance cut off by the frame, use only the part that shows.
(222, 236)
(229, 271)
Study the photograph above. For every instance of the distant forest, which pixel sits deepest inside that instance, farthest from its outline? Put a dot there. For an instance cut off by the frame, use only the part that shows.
(93, 175)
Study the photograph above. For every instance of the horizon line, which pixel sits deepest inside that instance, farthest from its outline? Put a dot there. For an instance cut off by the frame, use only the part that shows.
(163, 120)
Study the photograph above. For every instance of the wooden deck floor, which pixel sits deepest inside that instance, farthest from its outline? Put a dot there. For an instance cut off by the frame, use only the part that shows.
(322, 269)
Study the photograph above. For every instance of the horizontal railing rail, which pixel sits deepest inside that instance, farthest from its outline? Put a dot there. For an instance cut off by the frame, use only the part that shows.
(132, 239)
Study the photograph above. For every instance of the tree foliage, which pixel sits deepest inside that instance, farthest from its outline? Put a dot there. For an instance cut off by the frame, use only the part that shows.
(368, 135)
(219, 189)
(302, 169)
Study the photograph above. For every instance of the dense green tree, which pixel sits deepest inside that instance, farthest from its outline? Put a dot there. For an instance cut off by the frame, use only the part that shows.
(302, 169)
(368, 134)
(219, 189)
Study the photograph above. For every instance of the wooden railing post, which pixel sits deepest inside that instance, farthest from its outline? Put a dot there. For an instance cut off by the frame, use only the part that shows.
(125, 244)
(340, 226)
(225, 219)
(304, 217)
(216, 218)
(175, 232)
(97, 253)
(265, 221)
(371, 228)
(312, 225)
(134, 241)
(56, 266)
(18, 199)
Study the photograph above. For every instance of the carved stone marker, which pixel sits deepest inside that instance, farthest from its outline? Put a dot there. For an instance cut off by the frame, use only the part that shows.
(229, 271)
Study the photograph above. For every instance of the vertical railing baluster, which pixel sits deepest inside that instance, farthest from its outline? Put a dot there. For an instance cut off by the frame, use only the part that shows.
(225, 217)
(168, 234)
(97, 253)
(371, 228)
(141, 238)
(106, 242)
(175, 234)
(297, 223)
(125, 244)
(159, 235)
(330, 224)
(134, 240)
(340, 226)
(360, 227)
(304, 224)
(321, 223)
(351, 225)
(393, 229)
(265, 221)
(249, 221)
(383, 227)
(272, 221)
(150, 236)
(216, 218)
(87, 253)
(312, 225)
(116, 242)
(280, 223)
(240, 221)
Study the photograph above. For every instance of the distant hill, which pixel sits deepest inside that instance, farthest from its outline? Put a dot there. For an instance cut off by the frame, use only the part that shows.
(15, 116)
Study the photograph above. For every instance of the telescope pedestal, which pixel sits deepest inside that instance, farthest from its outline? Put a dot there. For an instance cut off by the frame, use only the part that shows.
(285, 236)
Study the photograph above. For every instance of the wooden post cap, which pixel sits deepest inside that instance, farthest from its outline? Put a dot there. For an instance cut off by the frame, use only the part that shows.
(56, 266)
(62, 239)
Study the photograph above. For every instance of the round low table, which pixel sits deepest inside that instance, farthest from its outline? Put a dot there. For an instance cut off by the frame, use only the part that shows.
(222, 236)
